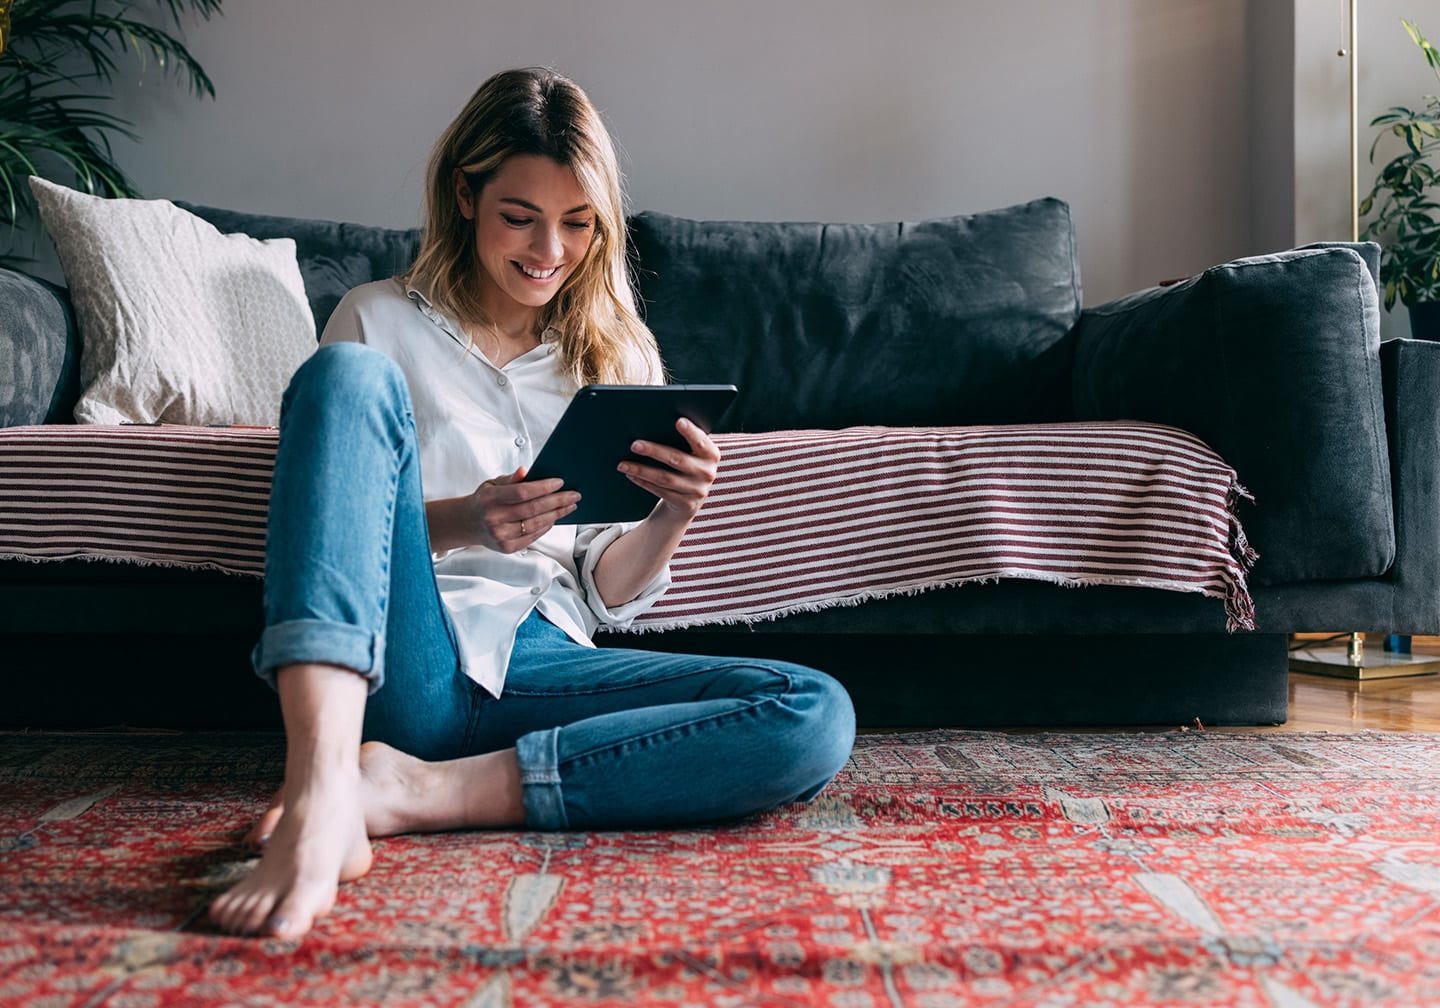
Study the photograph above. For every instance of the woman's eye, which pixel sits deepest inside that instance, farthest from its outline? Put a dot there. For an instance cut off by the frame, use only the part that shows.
(515, 221)
(579, 225)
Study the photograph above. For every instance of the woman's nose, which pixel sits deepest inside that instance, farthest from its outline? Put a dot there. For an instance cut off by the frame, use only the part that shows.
(547, 245)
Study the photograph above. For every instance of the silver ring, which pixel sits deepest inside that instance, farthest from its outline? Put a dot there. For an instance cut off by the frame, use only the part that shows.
(522, 529)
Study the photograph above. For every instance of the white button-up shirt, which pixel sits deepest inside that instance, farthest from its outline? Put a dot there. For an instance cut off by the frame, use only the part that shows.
(474, 422)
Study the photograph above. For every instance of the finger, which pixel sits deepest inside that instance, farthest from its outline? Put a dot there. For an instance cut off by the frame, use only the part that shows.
(504, 490)
(670, 458)
(531, 511)
(677, 469)
(699, 441)
(661, 482)
(674, 491)
(545, 520)
(513, 525)
(514, 477)
(526, 531)
(700, 447)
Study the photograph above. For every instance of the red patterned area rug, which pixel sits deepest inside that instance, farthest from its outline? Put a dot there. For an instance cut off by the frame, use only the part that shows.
(940, 869)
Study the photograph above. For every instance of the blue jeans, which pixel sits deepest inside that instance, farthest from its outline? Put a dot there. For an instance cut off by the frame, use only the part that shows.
(606, 737)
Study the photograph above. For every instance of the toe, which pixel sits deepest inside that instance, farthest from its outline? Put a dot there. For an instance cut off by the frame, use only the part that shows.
(294, 915)
(249, 916)
(259, 834)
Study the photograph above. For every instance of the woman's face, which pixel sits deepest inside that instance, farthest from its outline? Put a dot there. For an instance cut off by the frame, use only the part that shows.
(533, 227)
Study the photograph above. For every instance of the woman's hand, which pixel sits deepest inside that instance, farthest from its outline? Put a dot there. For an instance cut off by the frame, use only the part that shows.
(504, 514)
(640, 555)
(683, 479)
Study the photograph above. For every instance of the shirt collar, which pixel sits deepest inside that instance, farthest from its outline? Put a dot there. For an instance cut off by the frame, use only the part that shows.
(550, 337)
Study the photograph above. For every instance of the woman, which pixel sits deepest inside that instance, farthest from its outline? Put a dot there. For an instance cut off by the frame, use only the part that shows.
(450, 629)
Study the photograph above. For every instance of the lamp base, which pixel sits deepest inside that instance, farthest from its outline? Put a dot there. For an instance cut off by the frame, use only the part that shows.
(1363, 664)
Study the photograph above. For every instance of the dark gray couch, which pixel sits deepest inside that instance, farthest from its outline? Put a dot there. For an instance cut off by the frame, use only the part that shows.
(1274, 361)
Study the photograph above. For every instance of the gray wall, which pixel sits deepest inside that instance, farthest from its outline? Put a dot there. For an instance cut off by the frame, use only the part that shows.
(857, 110)
(1182, 132)
(1391, 72)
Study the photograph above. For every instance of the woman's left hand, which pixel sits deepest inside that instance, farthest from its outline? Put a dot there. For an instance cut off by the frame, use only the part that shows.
(683, 479)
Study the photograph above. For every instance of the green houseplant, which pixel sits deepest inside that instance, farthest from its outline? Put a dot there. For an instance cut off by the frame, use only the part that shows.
(1403, 200)
(57, 61)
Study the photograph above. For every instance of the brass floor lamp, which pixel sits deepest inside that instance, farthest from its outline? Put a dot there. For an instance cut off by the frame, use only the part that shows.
(1354, 660)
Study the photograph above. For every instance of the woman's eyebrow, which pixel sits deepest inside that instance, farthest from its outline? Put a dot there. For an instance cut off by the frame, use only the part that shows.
(535, 209)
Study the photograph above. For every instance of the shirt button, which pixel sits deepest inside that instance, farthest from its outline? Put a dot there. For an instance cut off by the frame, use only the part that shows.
(520, 442)
(502, 381)
(537, 591)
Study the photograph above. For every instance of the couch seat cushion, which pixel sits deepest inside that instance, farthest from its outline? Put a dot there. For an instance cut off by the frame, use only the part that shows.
(797, 520)
(172, 496)
(806, 520)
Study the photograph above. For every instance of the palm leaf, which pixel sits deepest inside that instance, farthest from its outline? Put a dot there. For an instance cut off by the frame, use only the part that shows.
(58, 59)
(99, 39)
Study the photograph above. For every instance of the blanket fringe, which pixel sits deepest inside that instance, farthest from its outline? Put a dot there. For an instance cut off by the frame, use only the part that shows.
(1236, 618)
(135, 561)
(1239, 606)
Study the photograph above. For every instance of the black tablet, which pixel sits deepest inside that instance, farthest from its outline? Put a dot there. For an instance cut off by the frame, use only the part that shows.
(594, 436)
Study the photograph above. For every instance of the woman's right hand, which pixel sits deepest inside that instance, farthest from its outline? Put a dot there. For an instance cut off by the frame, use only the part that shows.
(505, 514)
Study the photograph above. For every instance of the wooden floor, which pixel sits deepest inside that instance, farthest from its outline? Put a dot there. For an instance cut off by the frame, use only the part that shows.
(1322, 703)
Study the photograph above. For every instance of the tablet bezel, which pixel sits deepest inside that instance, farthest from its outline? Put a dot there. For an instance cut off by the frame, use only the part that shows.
(594, 435)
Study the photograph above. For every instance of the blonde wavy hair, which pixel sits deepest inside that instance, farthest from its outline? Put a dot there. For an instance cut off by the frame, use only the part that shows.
(536, 111)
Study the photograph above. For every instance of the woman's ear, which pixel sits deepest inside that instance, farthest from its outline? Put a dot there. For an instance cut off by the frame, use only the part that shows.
(464, 198)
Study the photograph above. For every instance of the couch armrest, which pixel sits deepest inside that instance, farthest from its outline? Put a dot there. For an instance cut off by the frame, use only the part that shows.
(39, 351)
(1274, 362)
(1412, 382)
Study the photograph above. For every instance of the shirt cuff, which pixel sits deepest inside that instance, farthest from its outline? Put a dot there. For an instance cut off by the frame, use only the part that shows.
(591, 542)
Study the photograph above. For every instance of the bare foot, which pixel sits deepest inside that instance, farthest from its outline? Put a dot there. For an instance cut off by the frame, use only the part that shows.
(400, 793)
(405, 794)
(385, 773)
(318, 841)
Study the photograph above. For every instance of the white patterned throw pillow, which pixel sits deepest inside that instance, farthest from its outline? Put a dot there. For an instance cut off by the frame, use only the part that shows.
(179, 323)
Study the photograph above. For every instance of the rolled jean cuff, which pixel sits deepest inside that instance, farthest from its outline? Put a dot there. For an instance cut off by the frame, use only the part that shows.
(537, 754)
(322, 642)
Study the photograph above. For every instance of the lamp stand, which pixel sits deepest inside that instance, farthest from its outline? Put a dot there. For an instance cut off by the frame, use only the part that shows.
(1355, 661)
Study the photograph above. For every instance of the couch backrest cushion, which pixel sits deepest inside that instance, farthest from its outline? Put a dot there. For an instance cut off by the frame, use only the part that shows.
(39, 352)
(1274, 362)
(333, 256)
(954, 321)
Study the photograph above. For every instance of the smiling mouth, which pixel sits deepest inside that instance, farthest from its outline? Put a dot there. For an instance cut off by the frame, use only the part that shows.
(538, 274)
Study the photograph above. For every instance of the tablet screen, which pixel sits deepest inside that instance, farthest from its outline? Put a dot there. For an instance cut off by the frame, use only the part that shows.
(594, 436)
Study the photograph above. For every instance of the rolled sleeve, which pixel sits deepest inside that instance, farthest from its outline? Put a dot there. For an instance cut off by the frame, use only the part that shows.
(591, 541)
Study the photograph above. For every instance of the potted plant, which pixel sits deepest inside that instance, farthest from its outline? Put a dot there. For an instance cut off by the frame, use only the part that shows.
(57, 60)
(1403, 199)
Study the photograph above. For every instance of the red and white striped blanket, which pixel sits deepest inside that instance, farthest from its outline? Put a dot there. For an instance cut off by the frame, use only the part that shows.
(797, 520)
